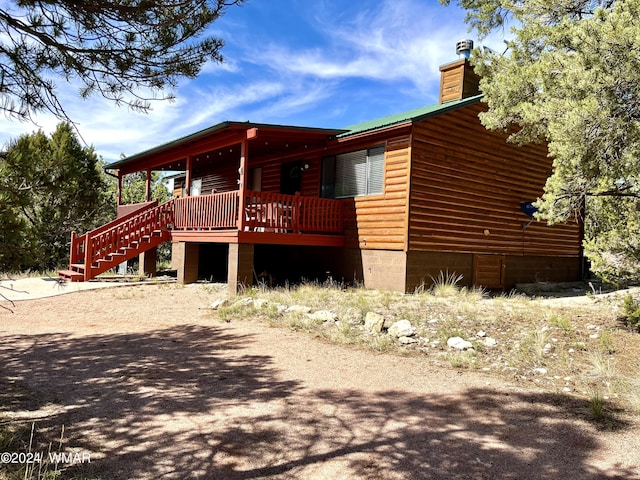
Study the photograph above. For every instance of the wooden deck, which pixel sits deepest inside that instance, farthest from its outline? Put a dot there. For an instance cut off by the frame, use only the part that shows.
(229, 217)
(258, 217)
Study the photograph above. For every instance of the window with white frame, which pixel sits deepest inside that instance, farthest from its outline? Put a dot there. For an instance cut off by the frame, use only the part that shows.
(353, 174)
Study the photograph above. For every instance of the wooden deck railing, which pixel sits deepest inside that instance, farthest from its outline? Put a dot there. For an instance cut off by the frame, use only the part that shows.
(207, 212)
(263, 212)
(275, 212)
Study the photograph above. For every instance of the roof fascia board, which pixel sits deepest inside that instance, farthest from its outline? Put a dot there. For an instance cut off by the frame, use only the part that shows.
(175, 154)
(163, 151)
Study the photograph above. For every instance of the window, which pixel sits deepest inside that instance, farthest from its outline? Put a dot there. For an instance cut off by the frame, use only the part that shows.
(353, 174)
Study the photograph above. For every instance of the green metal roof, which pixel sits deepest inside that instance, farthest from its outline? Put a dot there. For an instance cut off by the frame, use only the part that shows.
(360, 128)
(406, 117)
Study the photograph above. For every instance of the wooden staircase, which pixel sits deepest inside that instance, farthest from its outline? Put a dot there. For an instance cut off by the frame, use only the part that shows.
(122, 239)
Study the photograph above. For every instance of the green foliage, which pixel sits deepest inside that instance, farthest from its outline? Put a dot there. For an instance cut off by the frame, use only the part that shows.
(134, 188)
(50, 187)
(569, 78)
(128, 52)
(607, 342)
(462, 360)
(613, 242)
(12, 233)
(563, 323)
(631, 309)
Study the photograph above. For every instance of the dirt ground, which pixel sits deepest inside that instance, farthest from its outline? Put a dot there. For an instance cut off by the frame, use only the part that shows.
(148, 384)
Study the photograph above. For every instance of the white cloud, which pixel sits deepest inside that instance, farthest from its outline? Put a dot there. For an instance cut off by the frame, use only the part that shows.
(228, 65)
(398, 42)
(210, 106)
(404, 40)
(114, 130)
(296, 99)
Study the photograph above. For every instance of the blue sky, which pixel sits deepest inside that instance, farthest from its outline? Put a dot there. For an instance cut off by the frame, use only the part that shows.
(327, 63)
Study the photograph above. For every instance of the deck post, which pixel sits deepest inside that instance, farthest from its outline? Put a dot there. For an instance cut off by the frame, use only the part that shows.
(187, 179)
(187, 258)
(88, 254)
(242, 184)
(119, 190)
(295, 213)
(147, 263)
(240, 271)
(147, 190)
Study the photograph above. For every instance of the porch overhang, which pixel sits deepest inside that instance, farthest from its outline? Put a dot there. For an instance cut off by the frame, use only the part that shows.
(219, 140)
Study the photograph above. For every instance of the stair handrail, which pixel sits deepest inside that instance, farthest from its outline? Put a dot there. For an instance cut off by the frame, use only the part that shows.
(128, 230)
(79, 242)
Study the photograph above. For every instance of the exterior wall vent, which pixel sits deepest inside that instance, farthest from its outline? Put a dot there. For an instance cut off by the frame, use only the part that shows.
(464, 47)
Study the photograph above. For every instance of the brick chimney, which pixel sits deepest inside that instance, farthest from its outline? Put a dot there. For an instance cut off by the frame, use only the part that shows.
(457, 79)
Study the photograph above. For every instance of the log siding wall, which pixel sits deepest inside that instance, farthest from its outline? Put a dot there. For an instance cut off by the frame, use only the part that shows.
(467, 186)
(271, 170)
(223, 176)
(381, 221)
(218, 176)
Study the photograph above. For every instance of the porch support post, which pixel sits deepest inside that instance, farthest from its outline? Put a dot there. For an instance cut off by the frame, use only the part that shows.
(119, 190)
(240, 272)
(187, 180)
(187, 258)
(147, 192)
(147, 264)
(242, 183)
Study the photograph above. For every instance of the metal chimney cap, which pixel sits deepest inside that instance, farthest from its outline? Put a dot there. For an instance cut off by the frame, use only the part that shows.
(464, 47)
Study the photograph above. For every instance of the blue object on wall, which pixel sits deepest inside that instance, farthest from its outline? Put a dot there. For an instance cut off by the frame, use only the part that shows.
(528, 208)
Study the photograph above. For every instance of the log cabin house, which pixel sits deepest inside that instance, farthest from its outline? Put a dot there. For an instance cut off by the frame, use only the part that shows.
(389, 203)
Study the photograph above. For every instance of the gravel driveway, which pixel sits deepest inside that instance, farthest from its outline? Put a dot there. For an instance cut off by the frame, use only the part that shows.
(149, 385)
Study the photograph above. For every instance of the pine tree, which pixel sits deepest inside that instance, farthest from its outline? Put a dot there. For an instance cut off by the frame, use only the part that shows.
(569, 78)
(51, 186)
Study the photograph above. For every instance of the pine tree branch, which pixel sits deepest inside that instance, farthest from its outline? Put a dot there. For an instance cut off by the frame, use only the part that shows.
(115, 49)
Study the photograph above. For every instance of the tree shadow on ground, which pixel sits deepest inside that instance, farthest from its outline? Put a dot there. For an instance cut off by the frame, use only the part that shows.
(189, 402)
(486, 434)
(116, 394)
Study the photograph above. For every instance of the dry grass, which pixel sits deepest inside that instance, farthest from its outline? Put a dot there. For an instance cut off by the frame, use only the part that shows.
(575, 345)
(32, 462)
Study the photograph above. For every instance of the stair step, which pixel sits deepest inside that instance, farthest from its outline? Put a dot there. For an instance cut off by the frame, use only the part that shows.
(77, 267)
(71, 275)
(100, 261)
